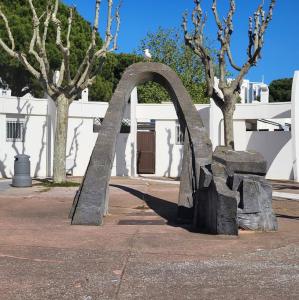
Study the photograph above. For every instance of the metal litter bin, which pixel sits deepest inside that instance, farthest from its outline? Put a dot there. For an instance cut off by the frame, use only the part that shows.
(22, 171)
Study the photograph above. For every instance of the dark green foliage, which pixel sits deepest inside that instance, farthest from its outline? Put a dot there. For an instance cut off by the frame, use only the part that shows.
(111, 73)
(20, 19)
(167, 46)
(281, 90)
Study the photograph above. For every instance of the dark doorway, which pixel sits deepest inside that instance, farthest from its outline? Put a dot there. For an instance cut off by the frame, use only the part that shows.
(146, 152)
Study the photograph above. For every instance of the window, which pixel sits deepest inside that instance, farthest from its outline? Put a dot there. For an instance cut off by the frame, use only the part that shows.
(179, 134)
(125, 125)
(97, 122)
(251, 125)
(15, 130)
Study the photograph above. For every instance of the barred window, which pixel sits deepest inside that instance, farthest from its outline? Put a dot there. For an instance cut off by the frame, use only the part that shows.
(179, 135)
(15, 131)
(97, 122)
(125, 125)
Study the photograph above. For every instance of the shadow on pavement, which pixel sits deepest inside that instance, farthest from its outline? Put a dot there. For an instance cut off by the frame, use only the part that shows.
(287, 217)
(165, 209)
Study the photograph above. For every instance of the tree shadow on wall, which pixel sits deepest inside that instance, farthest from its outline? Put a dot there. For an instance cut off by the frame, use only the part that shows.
(165, 209)
(3, 167)
(41, 151)
(167, 173)
(73, 150)
(22, 116)
(121, 155)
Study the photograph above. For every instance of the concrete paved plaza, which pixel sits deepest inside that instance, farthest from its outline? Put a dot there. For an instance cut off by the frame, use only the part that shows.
(140, 252)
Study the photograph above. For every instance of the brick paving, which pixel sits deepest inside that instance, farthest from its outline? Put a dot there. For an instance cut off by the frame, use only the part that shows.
(140, 252)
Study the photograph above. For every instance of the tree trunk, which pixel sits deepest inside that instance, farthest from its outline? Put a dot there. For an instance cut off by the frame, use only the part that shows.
(228, 114)
(59, 172)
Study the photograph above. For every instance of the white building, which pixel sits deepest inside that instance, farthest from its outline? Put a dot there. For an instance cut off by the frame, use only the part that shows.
(5, 92)
(27, 126)
(254, 91)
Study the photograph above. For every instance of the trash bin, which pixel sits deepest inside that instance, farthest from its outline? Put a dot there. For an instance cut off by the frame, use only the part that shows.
(22, 171)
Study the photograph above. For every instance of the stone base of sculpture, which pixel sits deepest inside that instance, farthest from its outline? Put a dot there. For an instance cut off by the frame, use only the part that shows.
(234, 194)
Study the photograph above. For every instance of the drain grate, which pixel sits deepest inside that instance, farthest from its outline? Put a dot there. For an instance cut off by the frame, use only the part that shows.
(141, 222)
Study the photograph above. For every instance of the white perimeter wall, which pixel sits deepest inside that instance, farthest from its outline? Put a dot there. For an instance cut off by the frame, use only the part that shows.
(277, 147)
(34, 114)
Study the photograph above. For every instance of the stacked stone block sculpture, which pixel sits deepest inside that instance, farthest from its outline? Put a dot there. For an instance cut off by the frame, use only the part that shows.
(235, 194)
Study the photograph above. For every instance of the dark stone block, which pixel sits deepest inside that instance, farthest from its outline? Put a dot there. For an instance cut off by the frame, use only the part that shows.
(234, 198)
(227, 206)
(205, 178)
(240, 161)
(216, 209)
(255, 207)
(219, 170)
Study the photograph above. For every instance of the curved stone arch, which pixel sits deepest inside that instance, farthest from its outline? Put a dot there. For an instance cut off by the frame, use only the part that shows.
(91, 201)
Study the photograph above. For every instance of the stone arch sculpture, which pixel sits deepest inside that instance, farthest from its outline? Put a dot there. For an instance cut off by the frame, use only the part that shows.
(91, 201)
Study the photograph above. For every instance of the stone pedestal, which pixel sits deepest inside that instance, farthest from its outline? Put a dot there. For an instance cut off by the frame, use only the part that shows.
(255, 207)
(234, 194)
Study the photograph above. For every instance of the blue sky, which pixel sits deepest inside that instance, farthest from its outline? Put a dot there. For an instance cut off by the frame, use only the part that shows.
(281, 51)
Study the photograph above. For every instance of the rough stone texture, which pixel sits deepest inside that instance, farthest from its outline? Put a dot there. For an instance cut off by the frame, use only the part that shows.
(91, 202)
(233, 200)
(255, 208)
(247, 162)
(216, 209)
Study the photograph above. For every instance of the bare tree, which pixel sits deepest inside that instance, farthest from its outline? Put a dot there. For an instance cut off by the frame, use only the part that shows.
(65, 88)
(227, 93)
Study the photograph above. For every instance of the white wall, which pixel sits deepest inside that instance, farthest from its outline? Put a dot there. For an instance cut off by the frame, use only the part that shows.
(34, 113)
(295, 125)
(276, 147)
(40, 127)
(168, 153)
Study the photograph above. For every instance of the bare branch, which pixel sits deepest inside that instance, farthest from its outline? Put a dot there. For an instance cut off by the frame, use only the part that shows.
(229, 29)
(215, 12)
(221, 39)
(21, 57)
(117, 17)
(68, 46)
(40, 56)
(228, 97)
(70, 21)
(90, 51)
(65, 50)
(256, 40)
(231, 60)
(90, 61)
(250, 35)
(45, 33)
(96, 23)
(10, 36)
(108, 36)
(61, 74)
(196, 43)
